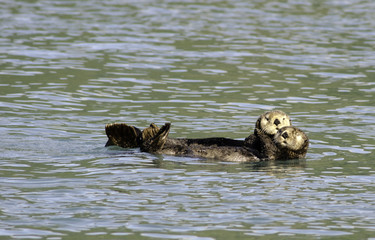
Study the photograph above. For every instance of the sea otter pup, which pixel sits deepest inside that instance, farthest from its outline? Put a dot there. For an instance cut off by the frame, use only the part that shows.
(267, 125)
(290, 143)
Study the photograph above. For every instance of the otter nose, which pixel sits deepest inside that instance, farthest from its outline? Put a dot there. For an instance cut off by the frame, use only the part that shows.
(276, 122)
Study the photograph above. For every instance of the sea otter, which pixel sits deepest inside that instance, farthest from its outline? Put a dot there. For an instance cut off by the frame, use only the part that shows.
(267, 141)
(290, 143)
(267, 125)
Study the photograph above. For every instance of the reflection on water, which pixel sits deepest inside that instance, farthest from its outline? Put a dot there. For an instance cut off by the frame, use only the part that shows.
(68, 68)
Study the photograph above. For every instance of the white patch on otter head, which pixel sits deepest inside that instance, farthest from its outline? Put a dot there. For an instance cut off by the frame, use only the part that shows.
(299, 141)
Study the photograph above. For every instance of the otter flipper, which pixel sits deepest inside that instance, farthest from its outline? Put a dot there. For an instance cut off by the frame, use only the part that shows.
(149, 132)
(155, 142)
(123, 135)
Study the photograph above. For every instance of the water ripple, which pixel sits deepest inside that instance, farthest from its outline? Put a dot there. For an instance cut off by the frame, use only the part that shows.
(68, 68)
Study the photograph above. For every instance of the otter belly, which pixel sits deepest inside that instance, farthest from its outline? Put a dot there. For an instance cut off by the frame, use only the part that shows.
(182, 147)
(225, 153)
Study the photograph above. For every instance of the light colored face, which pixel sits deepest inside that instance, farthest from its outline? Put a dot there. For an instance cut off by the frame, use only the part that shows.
(291, 138)
(271, 122)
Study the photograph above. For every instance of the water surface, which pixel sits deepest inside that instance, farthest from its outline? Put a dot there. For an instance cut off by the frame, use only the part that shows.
(211, 68)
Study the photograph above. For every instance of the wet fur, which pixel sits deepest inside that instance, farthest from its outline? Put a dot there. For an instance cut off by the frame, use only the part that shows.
(123, 135)
(260, 145)
(295, 146)
(263, 143)
(279, 148)
(265, 129)
(154, 141)
(215, 148)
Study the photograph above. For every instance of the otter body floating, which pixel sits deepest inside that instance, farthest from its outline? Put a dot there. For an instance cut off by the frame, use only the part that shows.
(273, 139)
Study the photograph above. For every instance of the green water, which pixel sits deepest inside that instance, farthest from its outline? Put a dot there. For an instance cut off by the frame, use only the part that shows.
(211, 68)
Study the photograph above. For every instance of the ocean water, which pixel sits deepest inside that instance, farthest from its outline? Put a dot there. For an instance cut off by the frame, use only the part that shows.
(210, 68)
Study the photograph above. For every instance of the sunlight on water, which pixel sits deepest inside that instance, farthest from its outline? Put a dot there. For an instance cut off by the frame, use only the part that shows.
(210, 68)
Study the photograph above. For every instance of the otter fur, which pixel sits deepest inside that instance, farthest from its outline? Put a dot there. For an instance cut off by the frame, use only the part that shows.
(288, 143)
(259, 145)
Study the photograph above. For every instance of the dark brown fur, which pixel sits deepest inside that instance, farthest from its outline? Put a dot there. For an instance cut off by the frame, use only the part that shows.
(123, 135)
(262, 143)
(266, 147)
(154, 140)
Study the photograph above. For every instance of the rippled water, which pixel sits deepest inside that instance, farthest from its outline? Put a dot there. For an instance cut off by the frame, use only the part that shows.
(209, 67)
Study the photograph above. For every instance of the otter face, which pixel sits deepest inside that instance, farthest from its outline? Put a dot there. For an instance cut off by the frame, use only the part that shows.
(271, 122)
(291, 138)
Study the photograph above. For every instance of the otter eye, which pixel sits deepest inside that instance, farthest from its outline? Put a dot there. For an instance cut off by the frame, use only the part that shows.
(276, 122)
(285, 135)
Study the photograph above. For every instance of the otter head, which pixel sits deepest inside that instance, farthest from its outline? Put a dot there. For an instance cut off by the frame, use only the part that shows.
(292, 140)
(271, 122)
